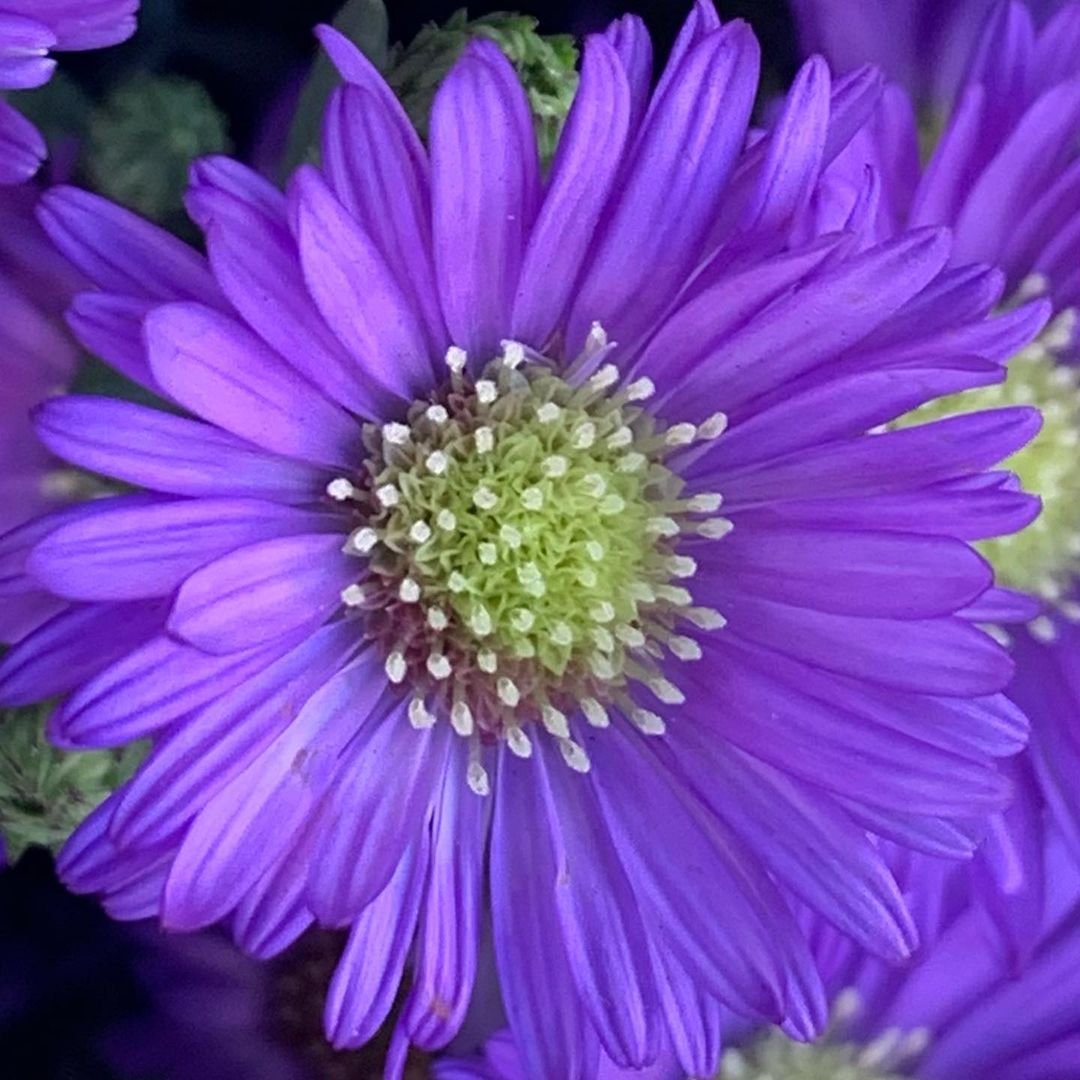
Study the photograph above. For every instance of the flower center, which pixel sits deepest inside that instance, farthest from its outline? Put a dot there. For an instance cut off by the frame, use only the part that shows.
(1044, 557)
(519, 536)
(892, 1055)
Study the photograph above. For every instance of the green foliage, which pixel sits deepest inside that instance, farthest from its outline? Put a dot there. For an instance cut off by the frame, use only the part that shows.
(143, 137)
(44, 792)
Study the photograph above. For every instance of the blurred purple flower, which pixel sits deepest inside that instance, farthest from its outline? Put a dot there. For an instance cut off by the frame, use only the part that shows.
(29, 31)
(923, 45)
(446, 525)
(1005, 176)
(82, 996)
(37, 355)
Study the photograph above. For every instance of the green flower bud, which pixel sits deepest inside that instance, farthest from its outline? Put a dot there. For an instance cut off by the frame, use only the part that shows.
(143, 137)
(546, 64)
(45, 793)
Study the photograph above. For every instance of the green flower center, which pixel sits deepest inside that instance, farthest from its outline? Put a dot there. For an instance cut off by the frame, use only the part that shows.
(1044, 557)
(519, 533)
(892, 1055)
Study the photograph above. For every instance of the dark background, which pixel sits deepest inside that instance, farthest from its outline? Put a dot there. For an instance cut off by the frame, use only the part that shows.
(247, 52)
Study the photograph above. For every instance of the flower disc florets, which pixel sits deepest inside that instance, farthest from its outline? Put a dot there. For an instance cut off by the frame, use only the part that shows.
(519, 534)
(1044, 557)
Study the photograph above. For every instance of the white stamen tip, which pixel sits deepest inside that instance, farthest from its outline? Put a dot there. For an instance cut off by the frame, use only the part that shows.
(484, 498)
(438, 666)
(520, 744)
(662, 526)
(487, 661)
(595, 713)
(486, 391)
(409, 591)
(611, 504)
(1043, 629)
(395, 667)
(681, 566)
(461, 718)
(456, 359)
(508, 692)
(555, 466)
(594, 484)
(522, 620)
(457, 581)
(603, 638)
(340, 489)
(674, 594)
(513, 354)
(684, 648)
(597, 339)
(562, 635)
(619, 438)
(548, 413)
(363, 540)
(648, 722)
(680, 434)
(584, 435)
(606, 377)
(437, 618)
(388, 495)
(640, 390)
(707, 502)
(511, 537)
(666, 691)
(601, 666)
(477, 779)
(484, 438)
(532, 498)
(480, 621)
(602, 611)
(554, 721)
(713, 427)
(420, 532)
(436, 462)
(574, 755)
(706, 618)
(396, 434)
(587, 577)
(630, 635)
(446, 520)
(437, 414)
(353, 595)
(488, 553)
(419, 716)
(715, 528)
(632, 462)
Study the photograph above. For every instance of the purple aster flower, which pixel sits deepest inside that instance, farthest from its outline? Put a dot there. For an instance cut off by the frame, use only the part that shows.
(82, 996)
(1005, 176)
(923, 45)
(428, 603)
(29, 31)
(955, 1011)
(37, 355)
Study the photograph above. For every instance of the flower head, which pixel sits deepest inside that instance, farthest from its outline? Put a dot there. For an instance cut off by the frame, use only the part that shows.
(532, 546)
(29, 31)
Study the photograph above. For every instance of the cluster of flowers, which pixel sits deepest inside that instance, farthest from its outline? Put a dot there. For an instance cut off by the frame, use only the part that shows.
(645, 586)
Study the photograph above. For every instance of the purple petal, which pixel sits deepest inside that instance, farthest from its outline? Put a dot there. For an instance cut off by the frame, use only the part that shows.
(586, 164)
(485, 191)
(654, 231)
(87, 24)
(74, 646)
(272, 914)
(24, 44)
(150, 687)
(214, 366)
(111, 327)
(136, 551)
(368, 975)
(371, 817)
(168, 453)
(629, 37)
(198, 758)
(374, 164)
(252, 822)
(22, 147)
(356, 292)
(445, 965)
(257, 263)
(263, 591)
(121, 253)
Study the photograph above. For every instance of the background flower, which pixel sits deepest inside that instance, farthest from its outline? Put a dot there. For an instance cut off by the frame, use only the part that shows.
(29, 30)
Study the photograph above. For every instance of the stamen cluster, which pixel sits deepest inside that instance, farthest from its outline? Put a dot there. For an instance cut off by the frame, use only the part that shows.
(518, 532)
